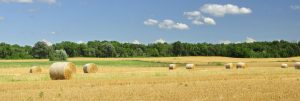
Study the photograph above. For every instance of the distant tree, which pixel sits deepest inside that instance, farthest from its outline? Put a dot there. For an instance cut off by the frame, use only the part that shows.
(58, 55)
(108, 50)
(41, 50)
(177, 48)
(89, 52)
(70, 47)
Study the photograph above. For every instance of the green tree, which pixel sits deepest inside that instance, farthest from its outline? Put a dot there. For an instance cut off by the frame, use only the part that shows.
(41, 50)
(58, 55)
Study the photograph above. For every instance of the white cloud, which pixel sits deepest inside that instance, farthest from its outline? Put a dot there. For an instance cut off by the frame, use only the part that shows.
(225, 42)
(238, 42)
(166, 24)
(209, 21)
(249, 40)
(136, 42)
(181, 26)
(28, 1)
(221, 10)
(1, 18)
(150, 22)
(295, 7)
(198, 19)
(80, 42)
(16, 1)
(160, 41)
(47, 42)
(170, 24)
(192, 15)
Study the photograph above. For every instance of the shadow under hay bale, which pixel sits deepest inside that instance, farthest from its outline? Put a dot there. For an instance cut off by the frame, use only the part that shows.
(90, 68)
(62, 70)
(35, 69)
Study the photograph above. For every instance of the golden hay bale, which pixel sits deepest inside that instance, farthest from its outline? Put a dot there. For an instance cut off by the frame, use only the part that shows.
(297, 65)
(62, 70)
(284, 65)
(229, 66)
(241, 65)
(189, 66)
(172, 66)
(35, 69)
(90, 68)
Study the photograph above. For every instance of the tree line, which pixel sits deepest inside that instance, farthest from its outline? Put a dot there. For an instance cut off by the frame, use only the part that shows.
(41, 50)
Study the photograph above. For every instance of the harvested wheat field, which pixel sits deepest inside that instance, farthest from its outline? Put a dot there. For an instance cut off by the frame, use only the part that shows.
(149, 79)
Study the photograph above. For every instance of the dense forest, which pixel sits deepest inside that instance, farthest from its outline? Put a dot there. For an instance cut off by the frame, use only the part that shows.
(116, 49)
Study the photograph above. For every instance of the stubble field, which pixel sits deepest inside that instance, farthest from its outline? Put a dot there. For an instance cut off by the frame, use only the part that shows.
(148, 79)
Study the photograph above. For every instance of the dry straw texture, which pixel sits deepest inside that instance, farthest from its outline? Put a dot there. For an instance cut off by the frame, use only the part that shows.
(90, 68)
(284, 65)
(35, 69)
(172, 66)
(189, 66)
(62, 70)
(241, 65)
(297, 65)
(229, 66)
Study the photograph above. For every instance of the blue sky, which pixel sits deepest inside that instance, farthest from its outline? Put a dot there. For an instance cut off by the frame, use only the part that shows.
(25, 22)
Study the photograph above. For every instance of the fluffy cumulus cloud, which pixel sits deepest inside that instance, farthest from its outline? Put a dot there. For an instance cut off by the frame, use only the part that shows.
(151, 22)
(295, 7)
(198, 19)
(225, 42)
(170, 24)
(80, 42)
(160, 41)
(166, 24)
(249, 40)
(209, 21)
(28, 1)
(16, 1)
(136, 42)
(221, 10)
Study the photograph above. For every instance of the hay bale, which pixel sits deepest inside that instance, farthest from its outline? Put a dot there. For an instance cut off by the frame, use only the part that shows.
(297, 65)
(35, 69)
(62, 70)
(229, 66)
(172, 66)
(284, 65)
(90, 68)
(241, 65)
(189, 66)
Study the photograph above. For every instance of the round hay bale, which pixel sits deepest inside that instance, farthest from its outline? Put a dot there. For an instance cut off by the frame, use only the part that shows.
(35, 69)
(189, 66)
(297, 65)
(284, 65)
(62, 70)
(90, 68)
(241, 65)
(229, 66)
(172, 66)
